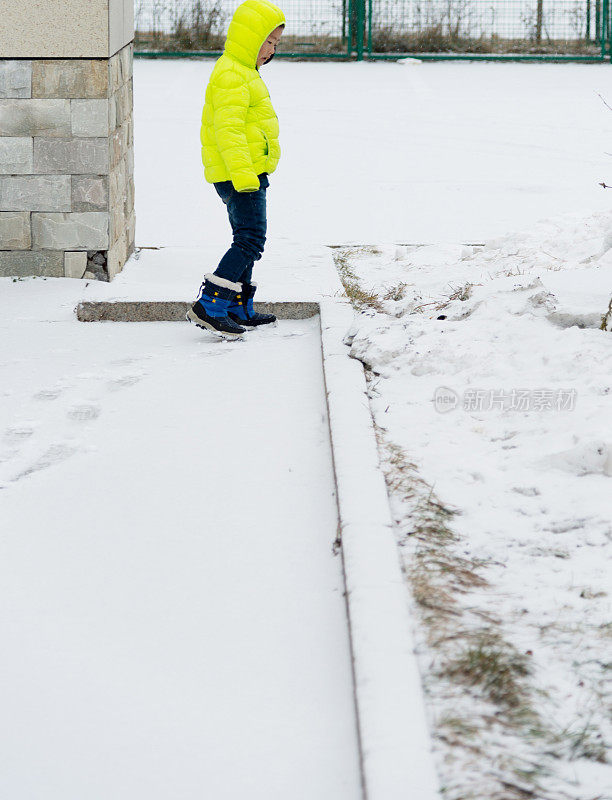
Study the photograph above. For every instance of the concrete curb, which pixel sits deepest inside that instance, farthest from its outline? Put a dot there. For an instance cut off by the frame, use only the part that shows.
(174, 311)
(395, 741)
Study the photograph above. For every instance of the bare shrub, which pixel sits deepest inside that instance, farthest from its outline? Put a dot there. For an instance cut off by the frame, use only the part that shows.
(199, 26)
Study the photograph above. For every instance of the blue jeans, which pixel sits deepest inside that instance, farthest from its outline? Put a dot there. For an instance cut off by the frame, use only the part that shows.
(247, 216)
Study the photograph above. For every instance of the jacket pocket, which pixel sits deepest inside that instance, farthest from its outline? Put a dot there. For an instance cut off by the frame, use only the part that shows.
(266, 145)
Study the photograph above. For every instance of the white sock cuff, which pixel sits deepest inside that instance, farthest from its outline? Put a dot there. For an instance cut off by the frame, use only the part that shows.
(235, 287)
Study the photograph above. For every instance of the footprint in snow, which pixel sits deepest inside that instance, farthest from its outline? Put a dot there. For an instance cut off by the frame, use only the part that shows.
(123, 382)
(122, 362)
(54, 455)
(48, 394)
(526, 491)
(290, 335)
(17, 434)
(84, 412)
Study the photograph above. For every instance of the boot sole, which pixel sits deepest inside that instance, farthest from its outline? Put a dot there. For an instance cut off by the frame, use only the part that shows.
(206, 326)
(250, 327)
(273, 324)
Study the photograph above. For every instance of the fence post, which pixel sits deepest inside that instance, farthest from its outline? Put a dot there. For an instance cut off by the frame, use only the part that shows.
(349, 38)
(588, 21)
(369, 27)
(539, 20)
(598, 21)
(360, 28)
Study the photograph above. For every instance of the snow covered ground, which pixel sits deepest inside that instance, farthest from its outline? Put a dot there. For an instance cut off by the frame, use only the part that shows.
(172, 614)
(483, 379)
(378, 154)
(384, 152)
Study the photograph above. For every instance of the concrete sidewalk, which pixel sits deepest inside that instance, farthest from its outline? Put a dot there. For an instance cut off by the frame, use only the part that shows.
(199, 637)
(172, 612)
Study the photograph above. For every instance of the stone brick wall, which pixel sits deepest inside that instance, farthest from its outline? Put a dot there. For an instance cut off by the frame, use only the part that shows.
(66, 166)
(122, 222)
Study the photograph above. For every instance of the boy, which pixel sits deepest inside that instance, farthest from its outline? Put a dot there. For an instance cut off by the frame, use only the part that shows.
(240, 148)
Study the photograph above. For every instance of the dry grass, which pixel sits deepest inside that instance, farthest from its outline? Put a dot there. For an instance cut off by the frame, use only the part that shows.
(201, 28)
(363, 298)
(395, 293)
(486, 679)
(462, 293)
(359, 297)
(438, 575)
(606, 320)
(472, 654)
(586, 742)
(509, 273)
(437, 38)
(491, 664)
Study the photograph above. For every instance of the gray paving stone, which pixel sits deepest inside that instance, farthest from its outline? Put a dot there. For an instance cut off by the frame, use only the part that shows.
(131, 232)
(129, 195)
(122, 101)
(121, 68)
(89, 193)
(55, 28)
(115, 78)
(89, 117)
(114, 74)
(174, 311)
(112, 114)
(15, 79)
(75, 264)
(117, 256)
(117, 223)
(71, 156)
(16, 155)
(127, 62)
(35, 118)
(118, 145)
(76, 231)
(118, 179)
(70, 78)
(32, 262)
(15, 230)
(35, 193)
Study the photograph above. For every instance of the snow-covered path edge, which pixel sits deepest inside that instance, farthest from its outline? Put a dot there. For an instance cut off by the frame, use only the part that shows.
(395, 742)
(394, 738)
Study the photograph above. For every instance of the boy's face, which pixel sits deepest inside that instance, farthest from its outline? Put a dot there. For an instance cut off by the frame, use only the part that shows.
(268, 48)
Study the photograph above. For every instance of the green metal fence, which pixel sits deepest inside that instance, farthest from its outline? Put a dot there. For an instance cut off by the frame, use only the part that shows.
(374, 29)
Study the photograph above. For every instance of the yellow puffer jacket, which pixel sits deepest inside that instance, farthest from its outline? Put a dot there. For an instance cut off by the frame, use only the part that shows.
(239, 131)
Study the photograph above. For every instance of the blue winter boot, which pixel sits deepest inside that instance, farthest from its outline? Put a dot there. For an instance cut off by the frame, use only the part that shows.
(210, 309)
(242, 312)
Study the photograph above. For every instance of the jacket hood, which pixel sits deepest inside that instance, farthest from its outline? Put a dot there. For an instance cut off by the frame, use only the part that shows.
(252, 23)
